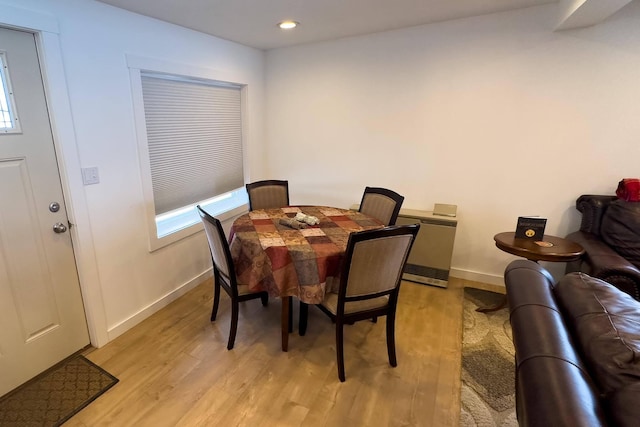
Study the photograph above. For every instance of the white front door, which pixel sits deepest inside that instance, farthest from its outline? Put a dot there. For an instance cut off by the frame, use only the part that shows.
(42, 317)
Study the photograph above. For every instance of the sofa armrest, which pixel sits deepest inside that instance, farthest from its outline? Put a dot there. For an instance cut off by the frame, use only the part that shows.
(553, 387)
(593, 207)
(601, 261)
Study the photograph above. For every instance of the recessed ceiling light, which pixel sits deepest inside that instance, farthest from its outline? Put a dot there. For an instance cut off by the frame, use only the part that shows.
(288, 25)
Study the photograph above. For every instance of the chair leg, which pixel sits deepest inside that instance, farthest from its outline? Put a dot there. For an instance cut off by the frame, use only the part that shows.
(340, 349)
(265, 299)
(284, 320)
(290, 314)
(391, 339)
(234, 324)
(302, 321)
(216, 299)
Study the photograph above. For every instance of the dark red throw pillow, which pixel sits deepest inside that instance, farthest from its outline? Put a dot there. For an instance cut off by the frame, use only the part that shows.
(629, 190)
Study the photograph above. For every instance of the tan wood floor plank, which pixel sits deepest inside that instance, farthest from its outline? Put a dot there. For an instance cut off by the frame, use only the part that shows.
(175, 370)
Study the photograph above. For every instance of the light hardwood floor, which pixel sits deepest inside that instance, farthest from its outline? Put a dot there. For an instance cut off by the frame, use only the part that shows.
(175, 370)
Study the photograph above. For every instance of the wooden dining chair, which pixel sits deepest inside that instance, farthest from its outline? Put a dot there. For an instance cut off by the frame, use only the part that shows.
(370, 283)
(224, 275)
(268, 194)
(382, 204)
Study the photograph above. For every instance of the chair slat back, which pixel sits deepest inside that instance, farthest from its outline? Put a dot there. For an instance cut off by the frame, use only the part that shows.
(269, 197)
(377, 264)
(217, 244)
(270, 194)
(379, 207)
(382, 204)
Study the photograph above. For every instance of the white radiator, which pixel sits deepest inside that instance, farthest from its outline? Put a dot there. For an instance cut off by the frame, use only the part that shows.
(430, 258)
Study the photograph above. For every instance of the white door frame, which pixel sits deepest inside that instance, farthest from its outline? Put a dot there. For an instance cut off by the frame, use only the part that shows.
(45, 28)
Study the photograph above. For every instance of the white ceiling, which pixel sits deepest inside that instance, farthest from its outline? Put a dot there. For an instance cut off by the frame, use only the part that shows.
(253, 22)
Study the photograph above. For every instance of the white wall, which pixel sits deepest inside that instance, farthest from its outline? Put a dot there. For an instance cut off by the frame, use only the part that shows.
(124, 281)
(497, 114)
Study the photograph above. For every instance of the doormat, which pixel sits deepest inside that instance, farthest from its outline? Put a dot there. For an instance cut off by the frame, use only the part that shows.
(56, 395)
(488, 366)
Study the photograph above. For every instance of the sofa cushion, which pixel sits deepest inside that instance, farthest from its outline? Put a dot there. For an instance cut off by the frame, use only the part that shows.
(620, 229)
(624, 404)
(606, 328)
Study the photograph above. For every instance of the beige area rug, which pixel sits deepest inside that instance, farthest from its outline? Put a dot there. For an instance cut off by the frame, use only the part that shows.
(488, 368)
(56, 395)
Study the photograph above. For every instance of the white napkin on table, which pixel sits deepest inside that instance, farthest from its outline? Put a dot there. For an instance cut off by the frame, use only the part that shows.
(308, 219)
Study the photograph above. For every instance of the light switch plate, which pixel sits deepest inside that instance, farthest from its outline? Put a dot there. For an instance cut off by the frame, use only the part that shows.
(90, 176)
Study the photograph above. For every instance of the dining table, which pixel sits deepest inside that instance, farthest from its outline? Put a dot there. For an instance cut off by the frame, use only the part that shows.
(273, 251)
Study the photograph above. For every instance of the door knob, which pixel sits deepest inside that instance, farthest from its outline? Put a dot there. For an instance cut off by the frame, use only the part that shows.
(59, 227)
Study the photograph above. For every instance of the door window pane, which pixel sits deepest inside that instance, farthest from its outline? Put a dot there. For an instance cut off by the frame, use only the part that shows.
(8, 119)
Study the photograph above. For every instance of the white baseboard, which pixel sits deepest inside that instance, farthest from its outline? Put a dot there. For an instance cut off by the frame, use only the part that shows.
(475, 276)
(162, 302)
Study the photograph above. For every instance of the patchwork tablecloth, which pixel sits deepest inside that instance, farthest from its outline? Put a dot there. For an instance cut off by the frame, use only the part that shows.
(285, 261)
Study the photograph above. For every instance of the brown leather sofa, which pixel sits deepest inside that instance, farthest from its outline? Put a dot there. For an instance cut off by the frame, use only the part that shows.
(577, 348)
(610, 234)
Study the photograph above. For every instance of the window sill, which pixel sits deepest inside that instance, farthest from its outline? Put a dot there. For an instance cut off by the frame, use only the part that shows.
(176, 225)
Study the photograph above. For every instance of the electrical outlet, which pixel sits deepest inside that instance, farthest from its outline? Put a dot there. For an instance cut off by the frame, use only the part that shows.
(90, 176)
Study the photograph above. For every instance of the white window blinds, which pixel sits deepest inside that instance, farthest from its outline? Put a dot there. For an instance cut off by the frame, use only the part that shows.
(194, 136)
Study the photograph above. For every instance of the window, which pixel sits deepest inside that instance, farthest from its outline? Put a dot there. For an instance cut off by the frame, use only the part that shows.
(190, 139)
(8, 118)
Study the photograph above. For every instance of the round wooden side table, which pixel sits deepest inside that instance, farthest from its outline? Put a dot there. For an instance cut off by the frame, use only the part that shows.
(551, 248)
